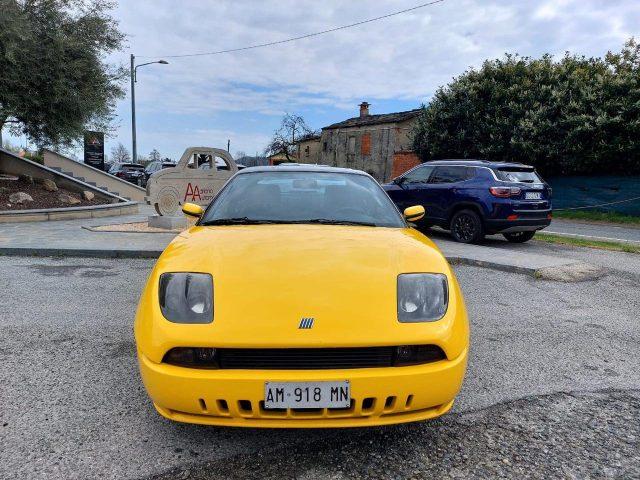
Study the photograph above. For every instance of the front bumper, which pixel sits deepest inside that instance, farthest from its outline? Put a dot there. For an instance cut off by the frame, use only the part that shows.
(380, 396)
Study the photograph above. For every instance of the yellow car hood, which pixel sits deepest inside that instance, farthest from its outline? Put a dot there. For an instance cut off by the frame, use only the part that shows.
(268, 277)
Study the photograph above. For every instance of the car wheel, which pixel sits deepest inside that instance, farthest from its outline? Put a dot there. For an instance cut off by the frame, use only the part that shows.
(519, 237)
(466, 227)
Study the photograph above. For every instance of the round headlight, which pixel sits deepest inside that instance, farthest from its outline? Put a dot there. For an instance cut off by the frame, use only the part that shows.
(186, 297)
(422, 297)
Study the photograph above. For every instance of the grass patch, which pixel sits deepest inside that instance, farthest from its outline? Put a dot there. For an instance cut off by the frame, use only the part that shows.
(585, 242)
(595, 216)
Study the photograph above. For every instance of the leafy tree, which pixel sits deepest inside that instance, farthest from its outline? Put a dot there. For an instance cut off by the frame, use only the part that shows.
(54, 83)
(577, 115)
(120, 154)
(292, 129)
(154, 155)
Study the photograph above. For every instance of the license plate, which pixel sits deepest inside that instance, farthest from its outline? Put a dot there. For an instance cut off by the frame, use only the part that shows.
(307, 394)
(532, 195)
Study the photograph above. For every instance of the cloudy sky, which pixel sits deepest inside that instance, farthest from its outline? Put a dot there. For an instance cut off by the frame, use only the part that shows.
(394, 64)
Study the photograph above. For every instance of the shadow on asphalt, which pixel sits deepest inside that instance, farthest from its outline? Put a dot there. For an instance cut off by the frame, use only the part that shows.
(493, 241)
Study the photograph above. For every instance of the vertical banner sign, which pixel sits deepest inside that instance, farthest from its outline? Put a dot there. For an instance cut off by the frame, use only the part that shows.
(94, 149)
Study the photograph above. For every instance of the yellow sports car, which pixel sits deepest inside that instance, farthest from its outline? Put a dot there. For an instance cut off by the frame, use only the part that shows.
(302, 298)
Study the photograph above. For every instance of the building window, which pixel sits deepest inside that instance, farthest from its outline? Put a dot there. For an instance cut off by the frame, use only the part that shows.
(324, 146)
(351, 149)
(306, 151)
(365, 146)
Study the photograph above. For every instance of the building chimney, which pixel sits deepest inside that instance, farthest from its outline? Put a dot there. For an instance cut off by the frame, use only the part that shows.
(364, 109)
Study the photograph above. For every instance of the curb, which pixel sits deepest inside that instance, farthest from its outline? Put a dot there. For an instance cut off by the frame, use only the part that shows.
(149, 254)
(455, 260)
(567, 272)
(594, 238)
(77, 252)
(69, 213)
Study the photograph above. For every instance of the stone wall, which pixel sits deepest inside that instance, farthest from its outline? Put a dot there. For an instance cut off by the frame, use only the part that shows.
(369, 148)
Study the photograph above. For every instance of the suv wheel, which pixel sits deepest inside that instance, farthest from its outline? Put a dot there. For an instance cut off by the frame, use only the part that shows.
(519, 237)
(466, 227)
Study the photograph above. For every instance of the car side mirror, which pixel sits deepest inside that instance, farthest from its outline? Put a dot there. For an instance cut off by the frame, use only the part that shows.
(192, 210)
(398, 181)
(414, 213)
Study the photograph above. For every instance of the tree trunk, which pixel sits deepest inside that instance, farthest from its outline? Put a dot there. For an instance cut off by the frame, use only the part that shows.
(1, 127)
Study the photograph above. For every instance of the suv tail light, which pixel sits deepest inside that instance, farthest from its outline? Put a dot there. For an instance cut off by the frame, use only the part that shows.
(504, 192)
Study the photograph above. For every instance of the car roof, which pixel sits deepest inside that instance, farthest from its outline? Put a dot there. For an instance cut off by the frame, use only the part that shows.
(129, 165)
(300, 167)
(477, 163)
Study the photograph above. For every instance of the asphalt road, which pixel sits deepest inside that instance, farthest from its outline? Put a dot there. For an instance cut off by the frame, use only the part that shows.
(552, 389)
(595, 231)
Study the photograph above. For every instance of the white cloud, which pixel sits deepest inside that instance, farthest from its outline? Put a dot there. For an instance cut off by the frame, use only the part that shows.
(404, 58)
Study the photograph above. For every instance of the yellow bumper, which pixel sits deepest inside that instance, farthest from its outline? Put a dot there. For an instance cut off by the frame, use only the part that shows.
(380, 396)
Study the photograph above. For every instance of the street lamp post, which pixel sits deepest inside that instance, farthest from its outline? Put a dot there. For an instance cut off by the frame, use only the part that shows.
(134, 79)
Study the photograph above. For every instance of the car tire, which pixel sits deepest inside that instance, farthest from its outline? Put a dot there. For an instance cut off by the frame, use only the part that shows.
(466, 227)
(519, 237)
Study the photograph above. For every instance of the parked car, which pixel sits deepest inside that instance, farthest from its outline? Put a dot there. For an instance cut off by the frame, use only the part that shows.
(358, 321)
(474, 198)
(131, 172)
(154, 167)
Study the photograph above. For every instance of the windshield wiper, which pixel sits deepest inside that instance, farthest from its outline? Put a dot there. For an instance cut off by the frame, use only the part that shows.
(329, 221)
(251, 221)
(236, 221)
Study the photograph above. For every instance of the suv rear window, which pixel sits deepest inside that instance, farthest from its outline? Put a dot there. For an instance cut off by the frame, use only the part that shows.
(523, 175)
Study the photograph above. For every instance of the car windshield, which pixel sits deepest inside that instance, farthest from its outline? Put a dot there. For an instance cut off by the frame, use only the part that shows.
(303, 197)
(518, 175)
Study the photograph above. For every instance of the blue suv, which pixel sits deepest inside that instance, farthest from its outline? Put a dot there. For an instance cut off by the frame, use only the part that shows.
(474, 198)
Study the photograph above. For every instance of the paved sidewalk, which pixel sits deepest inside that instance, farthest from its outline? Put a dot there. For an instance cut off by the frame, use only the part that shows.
(69, 238)
(594, 231)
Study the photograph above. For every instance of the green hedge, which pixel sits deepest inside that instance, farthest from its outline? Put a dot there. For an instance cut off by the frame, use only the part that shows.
(576, 115)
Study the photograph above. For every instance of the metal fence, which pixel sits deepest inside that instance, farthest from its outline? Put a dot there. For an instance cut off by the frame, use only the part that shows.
(602, 193)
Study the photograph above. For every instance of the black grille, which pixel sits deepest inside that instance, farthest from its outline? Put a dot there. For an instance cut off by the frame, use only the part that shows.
(313, 358)
(305, 358)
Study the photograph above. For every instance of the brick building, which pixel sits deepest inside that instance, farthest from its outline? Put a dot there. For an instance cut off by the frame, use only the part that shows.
(377, 144)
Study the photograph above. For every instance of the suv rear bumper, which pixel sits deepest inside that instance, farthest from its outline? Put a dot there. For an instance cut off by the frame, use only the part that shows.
(521, 224)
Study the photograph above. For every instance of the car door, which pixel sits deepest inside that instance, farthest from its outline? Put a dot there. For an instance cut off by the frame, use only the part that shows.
(411, 186)
(444, 187)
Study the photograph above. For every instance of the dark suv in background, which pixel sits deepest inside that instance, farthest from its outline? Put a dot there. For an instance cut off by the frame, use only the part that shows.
(154, 167)
(474, 198)
(131, 172)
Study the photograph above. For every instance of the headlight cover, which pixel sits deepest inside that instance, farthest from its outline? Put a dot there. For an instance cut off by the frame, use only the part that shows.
(186, 297)
(422, 297)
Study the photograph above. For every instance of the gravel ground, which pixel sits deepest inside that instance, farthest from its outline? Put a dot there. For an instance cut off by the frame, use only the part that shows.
(540, 437)
(551, 390)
